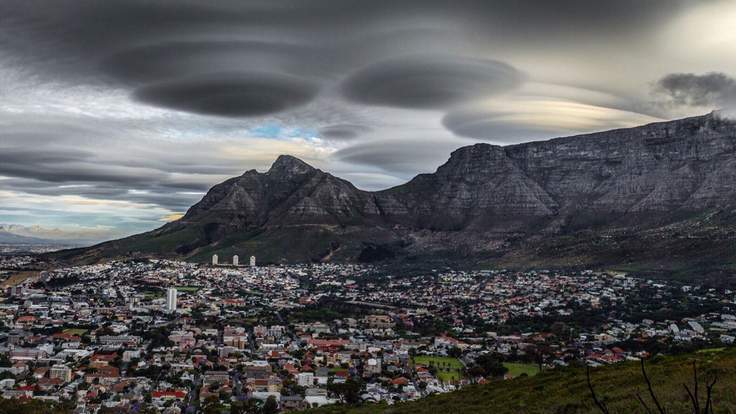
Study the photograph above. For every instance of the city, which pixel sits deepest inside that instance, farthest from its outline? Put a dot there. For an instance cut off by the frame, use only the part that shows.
(178, 336)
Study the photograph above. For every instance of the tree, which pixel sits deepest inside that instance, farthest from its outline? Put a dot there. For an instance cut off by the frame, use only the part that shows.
(212, 405)
(4, 361)
(16, 406)
(348, 392)
(560, 329)
(271, 406)
(489, 365)
(455, 352)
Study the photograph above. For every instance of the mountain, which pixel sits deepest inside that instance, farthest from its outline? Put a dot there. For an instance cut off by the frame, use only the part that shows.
(659, 196)
(17, 234)
(16, 239)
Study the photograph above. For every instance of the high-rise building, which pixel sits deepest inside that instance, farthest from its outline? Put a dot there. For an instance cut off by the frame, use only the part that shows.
(235, 260)
(252, 261)
(171, 299)
(215, 260)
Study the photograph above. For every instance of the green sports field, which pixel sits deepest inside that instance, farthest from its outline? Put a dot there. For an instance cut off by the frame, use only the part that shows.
(448, 369)
(516, 369)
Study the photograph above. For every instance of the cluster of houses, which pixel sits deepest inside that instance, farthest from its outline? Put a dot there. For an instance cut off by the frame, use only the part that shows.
(178, 336)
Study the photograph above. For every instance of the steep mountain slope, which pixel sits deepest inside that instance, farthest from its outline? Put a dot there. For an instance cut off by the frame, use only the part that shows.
(657, 196)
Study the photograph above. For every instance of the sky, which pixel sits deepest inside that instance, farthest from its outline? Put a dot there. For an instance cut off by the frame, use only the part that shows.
(116, 116)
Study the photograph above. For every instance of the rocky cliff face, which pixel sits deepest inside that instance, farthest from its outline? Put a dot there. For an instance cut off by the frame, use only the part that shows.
(585, 199)
(290, 192)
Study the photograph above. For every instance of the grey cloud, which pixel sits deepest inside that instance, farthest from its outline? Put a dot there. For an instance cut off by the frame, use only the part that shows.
(429, 81)
(162, 194)
(403, 156)
(125, 43)
(493, 126)
(102, 26)
(75, 172)
(343, 132)
(176, 59)
(230, 94)
(710, 89)
(24, 156)
(56, 158)
(75, 35)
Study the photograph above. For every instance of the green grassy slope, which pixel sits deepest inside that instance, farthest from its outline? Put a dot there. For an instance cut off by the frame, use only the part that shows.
(565, 390)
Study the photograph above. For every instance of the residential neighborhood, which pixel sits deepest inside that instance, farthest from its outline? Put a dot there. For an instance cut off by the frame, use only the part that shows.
(179, 337)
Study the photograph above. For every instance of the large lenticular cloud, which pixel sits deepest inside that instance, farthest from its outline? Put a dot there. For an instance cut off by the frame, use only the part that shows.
(230, 94)
(428, 82)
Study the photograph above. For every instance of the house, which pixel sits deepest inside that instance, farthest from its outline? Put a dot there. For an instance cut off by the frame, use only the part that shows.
(105, 375)
(445, 341)
(372, 367)
(161, 397)
(220, 377)
(292, 403)
(322, 375)
(317, 397)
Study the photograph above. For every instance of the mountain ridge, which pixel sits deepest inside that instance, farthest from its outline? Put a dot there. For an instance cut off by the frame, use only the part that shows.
(589, 199)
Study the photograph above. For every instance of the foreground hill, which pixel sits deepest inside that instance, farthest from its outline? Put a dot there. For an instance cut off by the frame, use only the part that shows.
(566, 391)
(660, 196)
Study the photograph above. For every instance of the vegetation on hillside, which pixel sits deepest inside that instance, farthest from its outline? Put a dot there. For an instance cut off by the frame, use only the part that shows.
(566, 391)
(16, 406)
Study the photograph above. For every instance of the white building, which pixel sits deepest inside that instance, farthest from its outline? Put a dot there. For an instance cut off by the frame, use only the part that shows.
(235, 260)
(252, 261)
(215, 260)
(698, 328)
(171, 299)
(305, 379)
(62, 372)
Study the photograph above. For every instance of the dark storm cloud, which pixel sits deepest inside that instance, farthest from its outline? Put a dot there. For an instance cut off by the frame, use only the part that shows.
(230, 94)
(343, 132)
(710, 89)
(429, 81)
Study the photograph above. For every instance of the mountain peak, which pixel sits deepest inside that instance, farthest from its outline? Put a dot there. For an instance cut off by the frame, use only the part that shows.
(290, 165)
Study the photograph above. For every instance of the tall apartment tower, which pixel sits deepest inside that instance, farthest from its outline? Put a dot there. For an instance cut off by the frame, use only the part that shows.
(252, 261)
(235, 260)
(215, 260)
(171, 299)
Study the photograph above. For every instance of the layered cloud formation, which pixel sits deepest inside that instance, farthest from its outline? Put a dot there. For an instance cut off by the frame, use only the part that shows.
(116, 115)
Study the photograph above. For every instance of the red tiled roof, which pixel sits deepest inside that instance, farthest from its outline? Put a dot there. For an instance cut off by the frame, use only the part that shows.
(169, 393)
